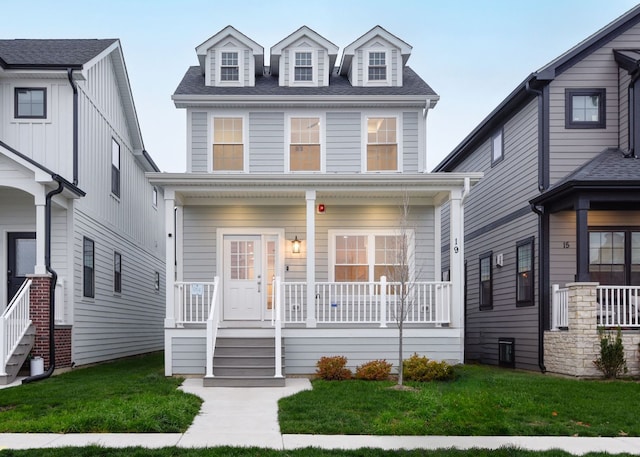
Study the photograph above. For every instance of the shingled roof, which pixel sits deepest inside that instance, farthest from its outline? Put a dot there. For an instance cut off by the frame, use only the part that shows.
(193, 83)
(29, 53)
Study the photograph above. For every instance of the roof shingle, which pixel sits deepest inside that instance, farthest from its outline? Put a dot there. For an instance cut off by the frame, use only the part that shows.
(22, 53)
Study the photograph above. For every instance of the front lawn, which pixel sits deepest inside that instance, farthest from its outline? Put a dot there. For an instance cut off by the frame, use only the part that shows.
(129, 395)
(481, 401)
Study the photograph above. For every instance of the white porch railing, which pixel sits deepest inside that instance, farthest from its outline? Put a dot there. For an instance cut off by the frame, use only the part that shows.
(194, 300)
(213, 320)
(368, 302)
(618, 306)
(14, 322)
(559, 308)
(276, 321)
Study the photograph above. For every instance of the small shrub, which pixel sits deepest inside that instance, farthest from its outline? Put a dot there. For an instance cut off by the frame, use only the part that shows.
(333, 368)
(422, 369)
(611, 361)
(376, 370)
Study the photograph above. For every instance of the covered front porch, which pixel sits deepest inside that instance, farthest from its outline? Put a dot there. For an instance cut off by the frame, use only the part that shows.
(316, 257)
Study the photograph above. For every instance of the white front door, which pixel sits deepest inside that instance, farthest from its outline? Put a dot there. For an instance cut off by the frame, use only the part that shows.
(244, 286)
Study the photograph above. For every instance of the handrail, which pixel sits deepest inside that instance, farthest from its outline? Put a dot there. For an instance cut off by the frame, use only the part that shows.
(191, 299)
(212, 328)
(278, 328)
(14, 322)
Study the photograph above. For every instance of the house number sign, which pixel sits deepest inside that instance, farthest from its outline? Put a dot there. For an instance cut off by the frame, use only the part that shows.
(197, 289)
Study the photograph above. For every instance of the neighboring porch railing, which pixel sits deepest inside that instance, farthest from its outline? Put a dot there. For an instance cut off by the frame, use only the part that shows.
(618, 306)
(213, 320)
(276, 321)
(194, 301)
(14, 322)
(369, 302)
(559, 308)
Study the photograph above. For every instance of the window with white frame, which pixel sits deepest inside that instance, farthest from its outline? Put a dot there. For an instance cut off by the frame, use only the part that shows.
(303, 69)
(377, 69)
(360, 257)
(229, 67)
(115, 167)
(228, 148)
(304, 149)
(382, 144)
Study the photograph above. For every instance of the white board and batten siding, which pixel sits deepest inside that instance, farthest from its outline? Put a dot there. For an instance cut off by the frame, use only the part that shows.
(570, 148)
(112, 324)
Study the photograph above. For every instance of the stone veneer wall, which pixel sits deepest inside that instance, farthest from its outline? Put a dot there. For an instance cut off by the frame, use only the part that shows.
(572, 352)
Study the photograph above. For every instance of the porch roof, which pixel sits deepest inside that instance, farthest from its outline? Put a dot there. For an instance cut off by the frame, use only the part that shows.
(265, 186)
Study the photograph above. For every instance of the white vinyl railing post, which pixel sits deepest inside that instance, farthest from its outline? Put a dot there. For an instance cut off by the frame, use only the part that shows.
(383, 301)
(555, 308)
(3, 347)
(278, 329)
(212, 329)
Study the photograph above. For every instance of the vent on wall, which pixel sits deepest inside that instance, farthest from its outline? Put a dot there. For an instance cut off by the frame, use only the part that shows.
(507, 352)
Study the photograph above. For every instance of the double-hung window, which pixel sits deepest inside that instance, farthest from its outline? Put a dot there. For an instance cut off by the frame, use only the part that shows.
(486, 283)
(115, 167)
(30, 103)
(304, 149)
(117, 272)
(229, 68)
(303, 69)
(88, 268)
(382, 144)
(361, 257)
(524, 273)
(585, 109)
(228, 148)
(377, 69)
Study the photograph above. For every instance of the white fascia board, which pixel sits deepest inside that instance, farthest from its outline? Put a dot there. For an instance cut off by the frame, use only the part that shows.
(108, 50)
(185, 101)
(256, 49)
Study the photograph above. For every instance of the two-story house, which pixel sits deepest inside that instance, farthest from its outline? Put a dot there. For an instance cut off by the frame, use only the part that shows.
(287, 224)
(553, 229)
(81, 228)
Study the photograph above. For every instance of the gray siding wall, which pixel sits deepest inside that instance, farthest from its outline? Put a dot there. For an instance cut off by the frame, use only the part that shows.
(410, 142)
(267, 142)
(201, 223)
(505, 189)
(199, 162)
(189, 355)
(570, 148)
(562, 257)
(344, 141)
(623, 95)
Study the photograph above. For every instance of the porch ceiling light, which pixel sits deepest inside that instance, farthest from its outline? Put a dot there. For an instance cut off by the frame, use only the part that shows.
(295, 245)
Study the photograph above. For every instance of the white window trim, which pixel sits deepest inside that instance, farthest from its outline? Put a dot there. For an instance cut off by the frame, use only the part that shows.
(376, 82)
(287, 136)
(30, 120)
(240, 81)
(314, 67)
(371, 247)
(364, 136)
(245, 142)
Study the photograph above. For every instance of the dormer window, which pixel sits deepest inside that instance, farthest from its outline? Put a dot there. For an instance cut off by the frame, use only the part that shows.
(229, 69)
(377, 66)
(303, 67)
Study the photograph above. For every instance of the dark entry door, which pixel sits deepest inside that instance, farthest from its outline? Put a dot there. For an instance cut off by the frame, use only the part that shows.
(21, 260)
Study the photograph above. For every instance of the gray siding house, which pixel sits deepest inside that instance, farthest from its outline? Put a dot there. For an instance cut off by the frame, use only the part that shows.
(552, 232)
(81, 227)
(284, 235)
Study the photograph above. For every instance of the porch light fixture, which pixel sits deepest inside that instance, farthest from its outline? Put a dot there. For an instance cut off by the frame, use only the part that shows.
(295, 245)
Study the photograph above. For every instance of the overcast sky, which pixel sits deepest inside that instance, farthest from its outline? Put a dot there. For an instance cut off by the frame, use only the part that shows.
(473, 53)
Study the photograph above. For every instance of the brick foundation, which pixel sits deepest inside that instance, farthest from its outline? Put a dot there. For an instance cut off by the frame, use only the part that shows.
(39, 311)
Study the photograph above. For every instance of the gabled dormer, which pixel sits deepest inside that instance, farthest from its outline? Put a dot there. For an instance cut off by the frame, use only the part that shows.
(303, 59)
(375, 59)
(230, 59)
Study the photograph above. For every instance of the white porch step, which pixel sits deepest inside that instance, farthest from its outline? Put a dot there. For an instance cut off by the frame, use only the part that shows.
(243, 381)
(19, 356)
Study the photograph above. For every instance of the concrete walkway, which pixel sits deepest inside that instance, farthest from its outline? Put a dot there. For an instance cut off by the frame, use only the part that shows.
(249, 417)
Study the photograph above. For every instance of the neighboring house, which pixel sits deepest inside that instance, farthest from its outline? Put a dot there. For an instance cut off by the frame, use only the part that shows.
(75, 204)
(287, 219)
(558, 206)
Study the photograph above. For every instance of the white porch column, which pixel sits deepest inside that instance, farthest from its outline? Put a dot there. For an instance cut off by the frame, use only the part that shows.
(169, 224)
(456, 256)
(311, 258)
(40, 200)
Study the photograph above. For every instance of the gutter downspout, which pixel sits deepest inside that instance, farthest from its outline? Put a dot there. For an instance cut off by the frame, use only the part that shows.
(74, 87)
(541, 263)
(52, 285)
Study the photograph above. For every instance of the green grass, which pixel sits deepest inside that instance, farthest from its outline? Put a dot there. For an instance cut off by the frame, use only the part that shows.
(257, 452)
(129, 395)
(481, 401)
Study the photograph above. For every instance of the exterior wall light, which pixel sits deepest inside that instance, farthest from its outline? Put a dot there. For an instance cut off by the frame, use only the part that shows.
(295, 245)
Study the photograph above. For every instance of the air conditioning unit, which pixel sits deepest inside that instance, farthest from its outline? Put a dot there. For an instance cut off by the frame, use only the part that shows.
(499, 260)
